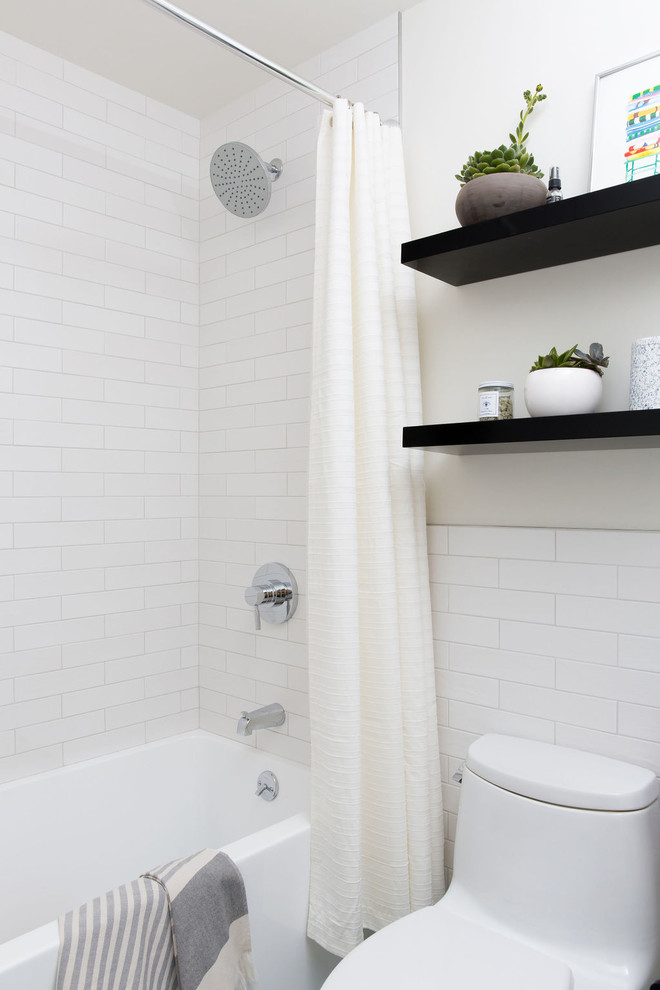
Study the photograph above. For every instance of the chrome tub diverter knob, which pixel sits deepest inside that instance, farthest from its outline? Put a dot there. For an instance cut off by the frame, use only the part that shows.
(268, 786)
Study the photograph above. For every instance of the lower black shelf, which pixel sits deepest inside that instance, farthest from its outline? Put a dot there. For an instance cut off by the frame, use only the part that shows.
(596, 431)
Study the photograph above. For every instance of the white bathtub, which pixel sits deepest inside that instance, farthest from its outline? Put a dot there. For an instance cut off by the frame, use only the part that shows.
(69, 835)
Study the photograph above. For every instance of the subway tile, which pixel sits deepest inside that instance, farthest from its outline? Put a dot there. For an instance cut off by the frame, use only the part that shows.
(103, 460)
(22, 510)
(44, 434)
(22, 713)
(478, 720)
(43, 634)
(468, 688)
(476, 571)
(502, 604)
(640, 721)
(172, 725)
(26, 662)
(104, 650)
(103, 743)
(620, 547)
(642, 652)
(557, 577)
(105, 696)
(53, 583)
(640, 584)
(58, 385)
(590, 645)
(559, 706)
(141, 665)
(618, 683)
(58, 238)
(502, 541)
(103, 555)
(131, 531)
(634, 618)
(438, 540)
(54, 534)
(102, 508)
(475, 630)
(102, 603)
(57, 682)
(57, 731)
(142, 620)
(55, 483)
(506, 665)
(139, 712)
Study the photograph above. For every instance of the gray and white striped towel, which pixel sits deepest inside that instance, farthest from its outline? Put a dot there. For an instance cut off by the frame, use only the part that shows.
(182, 926)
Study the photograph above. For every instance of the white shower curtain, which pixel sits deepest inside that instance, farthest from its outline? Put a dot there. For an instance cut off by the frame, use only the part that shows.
(377, 834)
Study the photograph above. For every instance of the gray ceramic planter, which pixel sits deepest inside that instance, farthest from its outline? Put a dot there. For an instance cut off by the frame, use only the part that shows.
(496, 195)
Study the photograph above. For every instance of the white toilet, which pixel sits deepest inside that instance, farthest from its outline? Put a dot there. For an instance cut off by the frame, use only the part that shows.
(556, 882)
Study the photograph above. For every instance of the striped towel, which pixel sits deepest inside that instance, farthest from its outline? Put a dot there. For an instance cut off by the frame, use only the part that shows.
(182, 926)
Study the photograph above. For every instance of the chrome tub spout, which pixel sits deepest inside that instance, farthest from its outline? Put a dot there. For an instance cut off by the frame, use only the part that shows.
(261, 718)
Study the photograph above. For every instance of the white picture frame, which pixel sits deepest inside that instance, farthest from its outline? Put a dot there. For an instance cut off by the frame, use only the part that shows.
(625, 143)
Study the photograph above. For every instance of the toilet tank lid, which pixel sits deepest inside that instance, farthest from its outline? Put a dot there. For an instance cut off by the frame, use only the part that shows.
(558, 775)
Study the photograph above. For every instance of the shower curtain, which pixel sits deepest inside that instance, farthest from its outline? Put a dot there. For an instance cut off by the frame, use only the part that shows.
(377, 835)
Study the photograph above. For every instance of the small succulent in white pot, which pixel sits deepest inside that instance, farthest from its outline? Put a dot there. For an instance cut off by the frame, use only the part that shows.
(566, 384)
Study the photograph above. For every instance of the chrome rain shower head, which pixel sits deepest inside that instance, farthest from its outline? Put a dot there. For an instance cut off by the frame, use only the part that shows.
(242, 180)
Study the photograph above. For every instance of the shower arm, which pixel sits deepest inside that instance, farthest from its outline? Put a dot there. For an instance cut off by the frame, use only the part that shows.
(245, 53)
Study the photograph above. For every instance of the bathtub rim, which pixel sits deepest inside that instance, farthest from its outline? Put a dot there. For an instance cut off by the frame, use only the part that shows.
(41, 945)
(152, 746)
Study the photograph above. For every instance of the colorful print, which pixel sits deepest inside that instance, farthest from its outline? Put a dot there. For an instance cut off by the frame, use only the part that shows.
(642, 155)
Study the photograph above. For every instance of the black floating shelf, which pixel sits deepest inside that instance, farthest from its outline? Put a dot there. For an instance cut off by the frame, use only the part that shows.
(608, 221)
(595, 431)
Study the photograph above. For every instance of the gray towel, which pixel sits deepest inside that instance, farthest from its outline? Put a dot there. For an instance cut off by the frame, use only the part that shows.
(210, 926)
(183, 926)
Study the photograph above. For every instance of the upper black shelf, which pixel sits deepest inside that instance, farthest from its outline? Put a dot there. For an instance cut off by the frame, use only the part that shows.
(595, 431)
(608, 221)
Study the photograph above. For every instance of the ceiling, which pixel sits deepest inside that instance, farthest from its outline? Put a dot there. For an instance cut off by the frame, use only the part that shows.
(139, 46)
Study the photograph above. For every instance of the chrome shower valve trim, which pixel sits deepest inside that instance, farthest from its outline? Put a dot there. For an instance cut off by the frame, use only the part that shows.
(273, 594)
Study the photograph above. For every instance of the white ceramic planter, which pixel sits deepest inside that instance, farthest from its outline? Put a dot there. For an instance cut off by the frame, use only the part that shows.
(562, 391)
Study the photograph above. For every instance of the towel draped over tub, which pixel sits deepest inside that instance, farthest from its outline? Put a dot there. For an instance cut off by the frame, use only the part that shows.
(182, 926)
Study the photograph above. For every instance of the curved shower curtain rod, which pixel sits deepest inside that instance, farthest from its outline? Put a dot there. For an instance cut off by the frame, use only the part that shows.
(276, 70)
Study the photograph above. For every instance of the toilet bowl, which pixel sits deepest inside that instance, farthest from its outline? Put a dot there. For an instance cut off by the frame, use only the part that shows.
(556, 882)
(433, 949)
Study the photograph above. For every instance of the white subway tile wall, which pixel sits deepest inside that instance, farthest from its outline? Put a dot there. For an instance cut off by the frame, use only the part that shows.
(255, 333)
(549, 634)
(107, 279)
(99, 262)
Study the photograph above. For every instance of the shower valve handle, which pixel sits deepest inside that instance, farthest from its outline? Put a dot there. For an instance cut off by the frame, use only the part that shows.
(273, 594)
(265, 594)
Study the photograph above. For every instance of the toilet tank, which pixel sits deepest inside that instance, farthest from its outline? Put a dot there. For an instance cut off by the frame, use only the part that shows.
(562, 849)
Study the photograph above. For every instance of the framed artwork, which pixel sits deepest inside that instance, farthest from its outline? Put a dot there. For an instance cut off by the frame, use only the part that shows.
(626, 132)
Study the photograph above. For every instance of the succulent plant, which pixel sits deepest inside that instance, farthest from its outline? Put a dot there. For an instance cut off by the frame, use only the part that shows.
(595, 360)
(515, 157)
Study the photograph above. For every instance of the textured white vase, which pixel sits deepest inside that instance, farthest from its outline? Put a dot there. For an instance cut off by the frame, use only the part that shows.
(645, 373)
(562, 391)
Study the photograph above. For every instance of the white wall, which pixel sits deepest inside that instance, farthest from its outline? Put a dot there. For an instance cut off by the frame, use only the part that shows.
(98, 415)
(256, 309)
(551, 634)
(464, 72)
